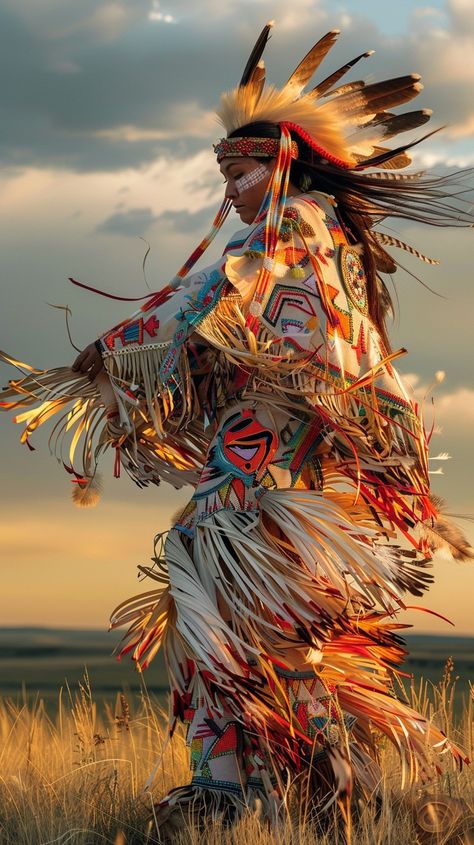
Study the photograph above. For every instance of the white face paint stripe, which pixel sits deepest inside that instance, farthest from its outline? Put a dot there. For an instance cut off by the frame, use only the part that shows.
(252, 178)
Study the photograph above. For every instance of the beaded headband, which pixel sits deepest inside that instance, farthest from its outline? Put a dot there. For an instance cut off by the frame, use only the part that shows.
(253, 147)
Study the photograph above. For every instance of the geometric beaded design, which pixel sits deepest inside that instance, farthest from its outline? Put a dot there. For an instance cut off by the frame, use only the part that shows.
(354, 278)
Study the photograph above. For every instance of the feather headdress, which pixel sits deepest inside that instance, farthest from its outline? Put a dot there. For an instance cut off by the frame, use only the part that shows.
(347, 125)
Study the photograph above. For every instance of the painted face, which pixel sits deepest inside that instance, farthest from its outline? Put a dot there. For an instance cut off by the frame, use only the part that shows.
(246, 182)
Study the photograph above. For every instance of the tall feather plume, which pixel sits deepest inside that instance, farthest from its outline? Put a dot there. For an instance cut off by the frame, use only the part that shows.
(389, 96)
(256, 54)
(387, 125)
(381, 96)
(347, 88)
(307, 66)
(331, 80)
(256, 82)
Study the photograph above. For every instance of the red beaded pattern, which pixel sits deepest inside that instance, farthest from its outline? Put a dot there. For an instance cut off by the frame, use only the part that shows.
(253, 147)
(305, 136)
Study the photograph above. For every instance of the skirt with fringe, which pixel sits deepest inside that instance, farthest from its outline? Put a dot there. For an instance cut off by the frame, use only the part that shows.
(277, 591)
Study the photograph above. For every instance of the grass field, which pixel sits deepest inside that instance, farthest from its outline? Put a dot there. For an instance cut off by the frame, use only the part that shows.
(44, 659)
(74, 774)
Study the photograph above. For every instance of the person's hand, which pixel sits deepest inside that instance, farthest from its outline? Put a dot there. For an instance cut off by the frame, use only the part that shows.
(89, 361)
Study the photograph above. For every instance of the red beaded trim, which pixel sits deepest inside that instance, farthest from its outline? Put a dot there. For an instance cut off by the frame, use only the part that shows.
(253, 147)
(305, 136)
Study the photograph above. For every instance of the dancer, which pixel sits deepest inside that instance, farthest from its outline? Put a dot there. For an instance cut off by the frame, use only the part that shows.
(267, 382)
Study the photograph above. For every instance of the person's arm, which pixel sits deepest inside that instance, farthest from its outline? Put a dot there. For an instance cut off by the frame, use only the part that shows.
(131, 390)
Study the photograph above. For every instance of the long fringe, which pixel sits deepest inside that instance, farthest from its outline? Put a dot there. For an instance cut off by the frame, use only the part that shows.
(251, 598)
(89, 421)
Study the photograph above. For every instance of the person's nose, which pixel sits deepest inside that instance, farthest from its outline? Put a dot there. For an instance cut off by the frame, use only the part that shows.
(231, 191)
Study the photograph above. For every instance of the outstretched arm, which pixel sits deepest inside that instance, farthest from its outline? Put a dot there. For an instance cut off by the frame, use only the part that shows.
(132, 391)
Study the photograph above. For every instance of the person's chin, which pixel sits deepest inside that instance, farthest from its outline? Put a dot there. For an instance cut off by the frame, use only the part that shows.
(245, 215)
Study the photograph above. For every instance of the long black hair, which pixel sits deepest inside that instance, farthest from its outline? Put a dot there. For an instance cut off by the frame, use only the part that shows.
(364, 199)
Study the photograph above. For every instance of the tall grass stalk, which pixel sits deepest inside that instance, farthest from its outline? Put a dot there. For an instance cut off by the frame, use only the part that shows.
(78, 778)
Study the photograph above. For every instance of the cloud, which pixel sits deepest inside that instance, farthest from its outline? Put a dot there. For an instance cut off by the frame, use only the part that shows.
(155, 14)
(449, 414)
(427, 12)
(452, 408)
(185, 221)
(104, 104)
(101, 86)
(131, 223)
(457, 409)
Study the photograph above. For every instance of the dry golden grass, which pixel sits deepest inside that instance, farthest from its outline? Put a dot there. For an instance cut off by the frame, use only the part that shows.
(79, 779)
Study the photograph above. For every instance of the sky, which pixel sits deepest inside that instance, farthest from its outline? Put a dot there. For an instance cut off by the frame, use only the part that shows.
(106, 131)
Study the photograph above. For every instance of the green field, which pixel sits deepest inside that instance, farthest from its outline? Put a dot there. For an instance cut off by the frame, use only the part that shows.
(41, 660)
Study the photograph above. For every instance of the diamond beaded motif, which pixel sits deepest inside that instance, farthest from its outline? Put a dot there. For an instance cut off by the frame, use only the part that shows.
(354, 278)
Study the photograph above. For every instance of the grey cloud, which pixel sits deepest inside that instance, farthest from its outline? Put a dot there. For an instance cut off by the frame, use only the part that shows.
(31, 143)
(189, 221)
(132, 223)
(138, 73)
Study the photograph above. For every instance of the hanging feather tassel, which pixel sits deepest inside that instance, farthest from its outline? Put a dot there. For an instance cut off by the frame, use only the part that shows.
(389, 240)
(397, 177)
(442, 534)
(86, 492)
(384, 296)
(383, 261)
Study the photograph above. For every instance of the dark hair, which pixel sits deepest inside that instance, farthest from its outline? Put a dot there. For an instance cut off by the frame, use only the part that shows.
(364, 199)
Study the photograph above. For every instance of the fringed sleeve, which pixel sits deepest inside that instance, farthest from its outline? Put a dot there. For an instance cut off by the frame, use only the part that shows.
(151, 404)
